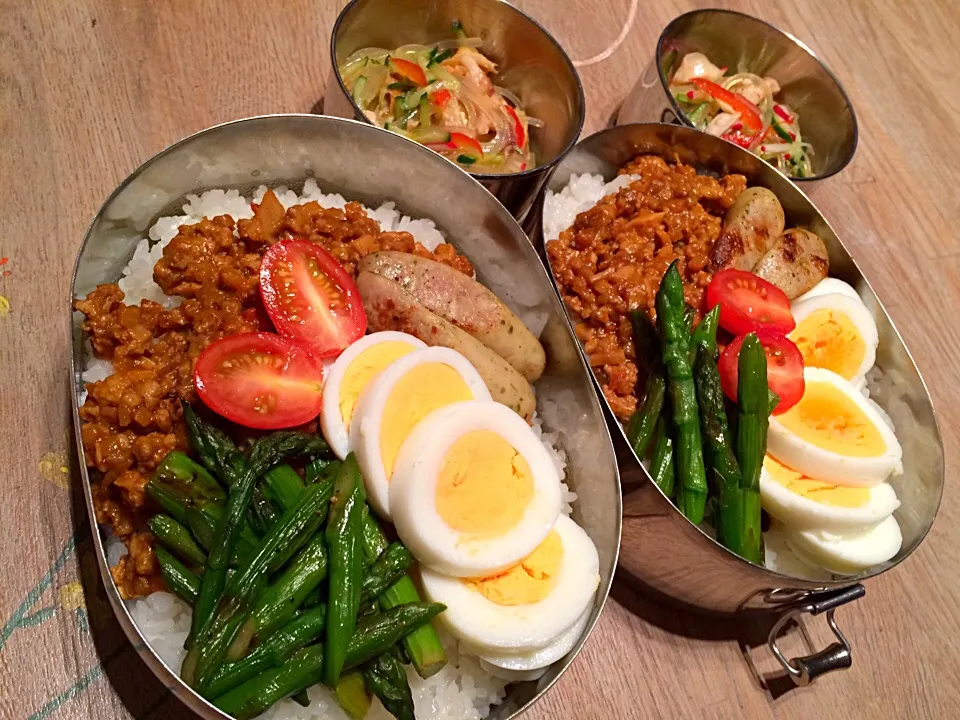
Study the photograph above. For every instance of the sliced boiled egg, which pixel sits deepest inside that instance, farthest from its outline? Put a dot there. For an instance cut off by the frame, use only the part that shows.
(402, 395)
(350, 374)
(828, 286)
(836, 332)
(520, 664)
(803, 502)
(473, 490)
(849, 552)
(834, 434)
(528, 606)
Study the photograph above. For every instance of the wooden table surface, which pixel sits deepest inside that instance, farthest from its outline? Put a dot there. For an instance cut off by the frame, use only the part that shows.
(91, 88)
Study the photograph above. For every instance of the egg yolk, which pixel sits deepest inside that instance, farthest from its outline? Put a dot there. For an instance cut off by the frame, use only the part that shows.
(827, 418)
(420, 391)
(829, 339)
(530, 581)
(363, 369)
(484, 485)
(816, 490)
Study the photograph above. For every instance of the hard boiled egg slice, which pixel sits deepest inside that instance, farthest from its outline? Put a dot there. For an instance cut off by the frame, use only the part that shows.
(349, 376)
(527, 607)
(828, 286)
(803, 502)
(849, 552)
(523, 663)
(473, 491)
(402, 395)
(837, 333)
(834, 434)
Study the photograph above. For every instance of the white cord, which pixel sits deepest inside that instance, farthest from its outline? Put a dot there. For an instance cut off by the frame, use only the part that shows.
(627, 26)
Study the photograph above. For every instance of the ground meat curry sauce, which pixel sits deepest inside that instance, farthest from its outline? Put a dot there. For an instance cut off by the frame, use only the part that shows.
(612, 259)
(132, 419)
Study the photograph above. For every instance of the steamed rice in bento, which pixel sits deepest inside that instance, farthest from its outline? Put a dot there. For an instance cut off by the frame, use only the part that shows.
(146, 333)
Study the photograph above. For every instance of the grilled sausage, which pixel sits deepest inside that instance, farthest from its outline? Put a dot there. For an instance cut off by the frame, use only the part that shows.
(797, 261)
(390, 307)
(751, 226)
(465, 303)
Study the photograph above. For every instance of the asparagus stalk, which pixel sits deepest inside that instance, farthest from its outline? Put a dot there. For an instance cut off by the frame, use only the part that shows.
(176, 538)
(422, 645)
(386, 677)
(754, 404)
(352, 695)
(675, 341)
(388, 568)
(179, 579)
(267, 452)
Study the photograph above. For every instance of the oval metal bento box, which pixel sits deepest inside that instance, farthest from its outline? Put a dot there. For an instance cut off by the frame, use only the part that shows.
(660, 546)
(372, 166)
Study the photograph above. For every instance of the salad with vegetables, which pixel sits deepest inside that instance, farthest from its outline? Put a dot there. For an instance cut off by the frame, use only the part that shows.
(442, 96)
(741, 108)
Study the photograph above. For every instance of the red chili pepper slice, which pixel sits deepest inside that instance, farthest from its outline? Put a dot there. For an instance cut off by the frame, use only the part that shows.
(441, 97)
(517, 126)
(749, 113)
(410, 70)
(465, 142)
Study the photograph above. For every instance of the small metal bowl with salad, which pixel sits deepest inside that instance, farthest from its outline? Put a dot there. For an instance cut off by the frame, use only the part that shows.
(477, 82)
(739, 78)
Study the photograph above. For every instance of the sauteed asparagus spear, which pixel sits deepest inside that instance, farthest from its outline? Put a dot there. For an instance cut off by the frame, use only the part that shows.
(389, 567)
(176, 538)
(182, 581)
(644, 421)
(423, 646)
(266, 453)
(386, 677)
(753, 402)
(310, 508)
(343, 535)
(662, 467)
(675, 341)
(352, 695)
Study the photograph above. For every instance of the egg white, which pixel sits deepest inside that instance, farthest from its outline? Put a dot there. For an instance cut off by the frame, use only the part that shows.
(850, 552)
(801, 512)
(365, 427)
(503, 630)
(830, 466)
(858, 314)
(413, 491)
(335, 430)
(544, 657)
(826, 287)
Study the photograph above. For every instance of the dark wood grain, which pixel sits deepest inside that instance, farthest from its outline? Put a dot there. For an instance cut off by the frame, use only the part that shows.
(91, 88)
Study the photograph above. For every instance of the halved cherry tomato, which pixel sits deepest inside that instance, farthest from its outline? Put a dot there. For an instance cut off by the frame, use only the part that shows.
(310, 297)
(517, 126)
(749, 113)
(749, 303)
(410, 70)
(441, 97)
(260, 380)
(466, 143)
(784, 368)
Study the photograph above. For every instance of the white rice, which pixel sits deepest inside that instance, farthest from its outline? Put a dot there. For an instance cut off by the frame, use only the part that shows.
(461, 690)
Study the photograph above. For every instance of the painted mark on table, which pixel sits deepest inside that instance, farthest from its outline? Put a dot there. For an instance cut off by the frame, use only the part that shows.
(617, 42)
(6, 271)
(70, 599)
(4, 307)
(54, 468)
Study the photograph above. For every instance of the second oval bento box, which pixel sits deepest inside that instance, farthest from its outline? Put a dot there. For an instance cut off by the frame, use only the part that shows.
(372, 166)
(660, 546)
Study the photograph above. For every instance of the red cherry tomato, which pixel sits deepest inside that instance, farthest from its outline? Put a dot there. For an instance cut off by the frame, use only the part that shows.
(310, 297)
(784, 368)
(748, 303)
(410, 70)
(259, 380)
